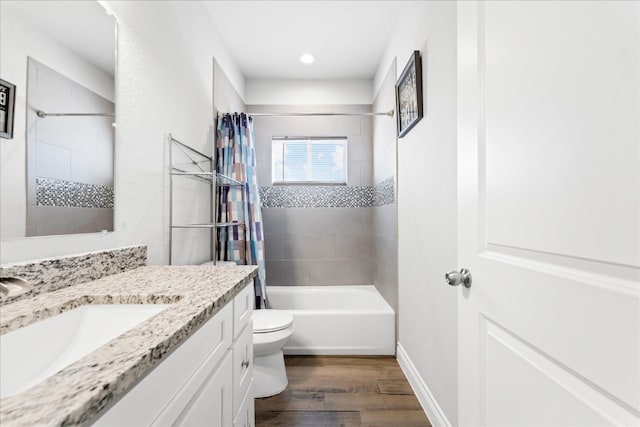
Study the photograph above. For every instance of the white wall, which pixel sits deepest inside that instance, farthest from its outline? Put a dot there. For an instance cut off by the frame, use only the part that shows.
(164, 84)
(384, 128)
(427, 208)
(226, 98)
(385, 217)
(308, 92)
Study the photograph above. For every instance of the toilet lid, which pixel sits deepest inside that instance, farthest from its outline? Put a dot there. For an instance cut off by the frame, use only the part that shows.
(270, 320)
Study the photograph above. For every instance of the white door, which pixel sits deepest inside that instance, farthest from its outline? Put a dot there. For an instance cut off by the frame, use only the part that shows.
(549, 195)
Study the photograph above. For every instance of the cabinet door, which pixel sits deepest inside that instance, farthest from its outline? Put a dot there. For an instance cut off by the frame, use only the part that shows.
(173, 381)
(242, 309)
(210, 406)
(246, 414)
(242, 365)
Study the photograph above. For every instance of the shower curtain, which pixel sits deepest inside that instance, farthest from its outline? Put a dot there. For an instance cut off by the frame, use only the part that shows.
(236, 159)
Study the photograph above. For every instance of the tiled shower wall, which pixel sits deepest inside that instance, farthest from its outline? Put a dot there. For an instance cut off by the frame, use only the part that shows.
(318, 235)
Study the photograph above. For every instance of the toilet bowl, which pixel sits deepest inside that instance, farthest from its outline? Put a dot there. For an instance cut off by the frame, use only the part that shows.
(271, 331)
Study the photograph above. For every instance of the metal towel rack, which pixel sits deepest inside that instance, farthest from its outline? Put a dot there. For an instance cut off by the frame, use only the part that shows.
(203, 174)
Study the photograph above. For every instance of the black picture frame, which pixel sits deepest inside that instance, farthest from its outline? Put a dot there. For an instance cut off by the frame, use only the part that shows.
(7, 107)
(409, 95)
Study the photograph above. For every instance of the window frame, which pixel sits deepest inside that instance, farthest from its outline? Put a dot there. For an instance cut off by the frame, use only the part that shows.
(309, 140)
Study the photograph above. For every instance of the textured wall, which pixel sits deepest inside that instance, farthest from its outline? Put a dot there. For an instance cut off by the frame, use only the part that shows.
(308, 92)
(192, 198)
(427, 187)
(385, 215)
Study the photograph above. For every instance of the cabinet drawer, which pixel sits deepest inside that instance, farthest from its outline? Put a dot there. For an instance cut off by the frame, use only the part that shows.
(242, 365)
(242, 308)
(209, 406)
(246, 414)
(142, 404)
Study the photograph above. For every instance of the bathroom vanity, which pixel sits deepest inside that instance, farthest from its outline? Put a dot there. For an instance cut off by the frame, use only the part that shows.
(190, 364)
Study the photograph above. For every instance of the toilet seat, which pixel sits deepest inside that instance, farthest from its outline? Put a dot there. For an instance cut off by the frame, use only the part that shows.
(267, 320)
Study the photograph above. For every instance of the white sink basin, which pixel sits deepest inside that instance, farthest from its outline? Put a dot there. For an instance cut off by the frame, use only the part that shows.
(33, 353)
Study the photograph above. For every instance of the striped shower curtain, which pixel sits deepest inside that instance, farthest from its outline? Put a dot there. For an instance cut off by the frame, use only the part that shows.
(236, 159)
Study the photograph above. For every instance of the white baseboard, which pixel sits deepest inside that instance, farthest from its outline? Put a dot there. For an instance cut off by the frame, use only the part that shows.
(424, 395)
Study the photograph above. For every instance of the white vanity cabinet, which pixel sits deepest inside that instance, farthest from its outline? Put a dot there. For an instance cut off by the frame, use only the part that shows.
(243, 360)
(207, 380)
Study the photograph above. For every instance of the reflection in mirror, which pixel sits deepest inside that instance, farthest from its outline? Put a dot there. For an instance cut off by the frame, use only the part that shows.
(70, 148)
(61, 56)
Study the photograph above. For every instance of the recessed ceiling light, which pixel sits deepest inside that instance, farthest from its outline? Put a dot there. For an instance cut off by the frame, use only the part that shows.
(307, 58)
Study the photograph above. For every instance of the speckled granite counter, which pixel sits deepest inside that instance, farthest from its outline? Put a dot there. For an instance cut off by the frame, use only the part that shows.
(51, 274)
(77, 393)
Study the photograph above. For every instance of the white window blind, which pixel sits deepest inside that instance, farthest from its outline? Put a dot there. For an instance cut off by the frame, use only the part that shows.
(309, 160)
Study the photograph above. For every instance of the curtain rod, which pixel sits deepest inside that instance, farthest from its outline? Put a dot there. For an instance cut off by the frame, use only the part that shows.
(43, 115)
(389, 113)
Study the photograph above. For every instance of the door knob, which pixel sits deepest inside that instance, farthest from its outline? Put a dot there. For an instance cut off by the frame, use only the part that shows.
(454, 278)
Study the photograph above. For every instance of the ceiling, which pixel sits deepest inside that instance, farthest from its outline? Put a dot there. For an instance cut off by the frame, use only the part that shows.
(266, 38)
(81, 26)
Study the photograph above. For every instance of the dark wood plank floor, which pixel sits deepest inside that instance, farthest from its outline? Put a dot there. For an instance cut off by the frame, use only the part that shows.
(342, 391)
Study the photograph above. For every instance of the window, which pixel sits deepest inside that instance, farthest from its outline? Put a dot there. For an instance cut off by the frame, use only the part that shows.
(309, 160)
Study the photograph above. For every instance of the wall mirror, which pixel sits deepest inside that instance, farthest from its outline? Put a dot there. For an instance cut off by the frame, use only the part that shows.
(58, 169)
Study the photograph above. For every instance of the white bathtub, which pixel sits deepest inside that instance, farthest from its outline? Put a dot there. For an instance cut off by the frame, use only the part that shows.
(336, 319)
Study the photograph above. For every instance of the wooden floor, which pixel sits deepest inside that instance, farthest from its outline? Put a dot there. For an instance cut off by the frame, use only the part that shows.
(342, 391)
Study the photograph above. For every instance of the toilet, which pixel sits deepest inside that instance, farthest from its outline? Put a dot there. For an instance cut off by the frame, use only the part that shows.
(271, 331)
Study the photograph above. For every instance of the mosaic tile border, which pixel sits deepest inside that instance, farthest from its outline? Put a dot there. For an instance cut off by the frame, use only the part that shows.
(62, 193)
(384, 193)
(50, 274)
(320, 196)
(312, 196)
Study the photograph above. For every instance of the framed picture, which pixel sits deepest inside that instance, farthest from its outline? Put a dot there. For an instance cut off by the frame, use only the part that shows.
(7, 104)
(409, 95)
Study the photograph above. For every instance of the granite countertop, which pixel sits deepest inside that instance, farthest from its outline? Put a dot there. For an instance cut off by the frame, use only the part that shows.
(81, 390)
